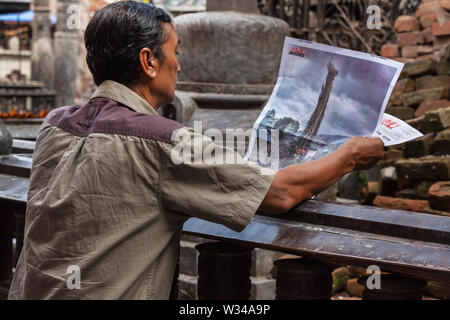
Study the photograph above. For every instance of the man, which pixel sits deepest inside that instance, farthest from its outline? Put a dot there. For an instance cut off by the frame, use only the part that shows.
(108, 196)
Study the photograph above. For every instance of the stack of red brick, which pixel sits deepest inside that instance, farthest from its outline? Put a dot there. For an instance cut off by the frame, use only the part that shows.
(422, 35)
(416, 175)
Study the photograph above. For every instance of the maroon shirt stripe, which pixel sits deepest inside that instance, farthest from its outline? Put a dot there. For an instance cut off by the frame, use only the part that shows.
(101, 115)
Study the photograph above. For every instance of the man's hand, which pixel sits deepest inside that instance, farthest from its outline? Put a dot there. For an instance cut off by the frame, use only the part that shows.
(365, 151)
(297, 183)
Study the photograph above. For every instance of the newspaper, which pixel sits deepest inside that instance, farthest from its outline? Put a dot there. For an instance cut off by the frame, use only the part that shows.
(324, 96)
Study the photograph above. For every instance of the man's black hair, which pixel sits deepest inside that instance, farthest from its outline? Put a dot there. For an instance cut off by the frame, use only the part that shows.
(117, 33)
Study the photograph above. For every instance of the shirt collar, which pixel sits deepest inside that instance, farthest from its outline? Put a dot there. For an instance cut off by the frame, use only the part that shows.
(118, 92)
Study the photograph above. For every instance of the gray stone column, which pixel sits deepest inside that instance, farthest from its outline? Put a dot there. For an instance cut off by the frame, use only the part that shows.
(245, 6)
(42, 57)
(66, 52)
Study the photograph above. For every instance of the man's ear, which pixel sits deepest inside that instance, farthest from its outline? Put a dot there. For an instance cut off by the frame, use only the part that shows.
(149, 64)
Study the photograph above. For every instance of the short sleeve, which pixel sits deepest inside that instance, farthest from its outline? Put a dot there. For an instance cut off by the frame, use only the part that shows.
(205, 180)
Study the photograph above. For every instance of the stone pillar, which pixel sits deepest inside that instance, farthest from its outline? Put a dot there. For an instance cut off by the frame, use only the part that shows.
(42, 57)
(66, 52)
(246, 6)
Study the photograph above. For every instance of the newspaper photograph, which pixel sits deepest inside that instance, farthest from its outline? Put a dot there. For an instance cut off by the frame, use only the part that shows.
(324, 95)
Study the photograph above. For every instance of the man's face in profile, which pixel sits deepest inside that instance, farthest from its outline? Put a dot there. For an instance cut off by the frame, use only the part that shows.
(168, 71)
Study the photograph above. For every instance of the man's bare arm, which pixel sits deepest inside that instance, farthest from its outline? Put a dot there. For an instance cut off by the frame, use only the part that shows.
(297, 183)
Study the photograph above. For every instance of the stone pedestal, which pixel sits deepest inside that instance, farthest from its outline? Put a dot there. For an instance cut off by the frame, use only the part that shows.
(66, 54)
(5, 140)
(42, 57)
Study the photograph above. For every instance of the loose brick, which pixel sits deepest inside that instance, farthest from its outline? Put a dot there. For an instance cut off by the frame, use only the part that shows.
(440, 42)
(427, 20)
(403, 113)
(410, 38)
(401, 204)
(419, 147)
(445, 4)
(406, 24)
(419, 67)
(429, 82)
(404, 60)
(443, 68)
(410, 52)
(414, 99)
(354, 288)
(425, 50)
(431, 168)
(441, 144)
(409, 193)
(421, 188)
(427, 35)
(432, 121)
(404, 85)
(430, 106)
(432, 7)
(441, 29)
(390, 51)
(439, 196)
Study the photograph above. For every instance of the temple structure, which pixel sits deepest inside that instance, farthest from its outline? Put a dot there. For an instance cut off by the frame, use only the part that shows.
(316, 119)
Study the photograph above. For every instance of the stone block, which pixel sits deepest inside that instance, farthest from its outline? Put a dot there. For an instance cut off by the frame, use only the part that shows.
(263, 288)
(427, 20)
(414, 99)
(425, 124)
(432, 7)
(340, 277)
(390, 51)
(403, 113)
(262, 261)
(425, 50)
(410, 38)
(401, 204)
(429, 82)
(443, 68)
(439, 196)
(421, 188)
(404, 85)
(419, 147)
(441, 29)
(354, 288)
(431, 168)
(187, 287)
(427, 35)
(188, 258)
(441, 144)
(410, 51)
(419, 67)
(439, 290)
(408, 193)
(406, 24)
(440, 42)
(5, 140)
(445, 4)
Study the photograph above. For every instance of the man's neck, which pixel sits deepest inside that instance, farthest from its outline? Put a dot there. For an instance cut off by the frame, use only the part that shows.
(145, 94)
